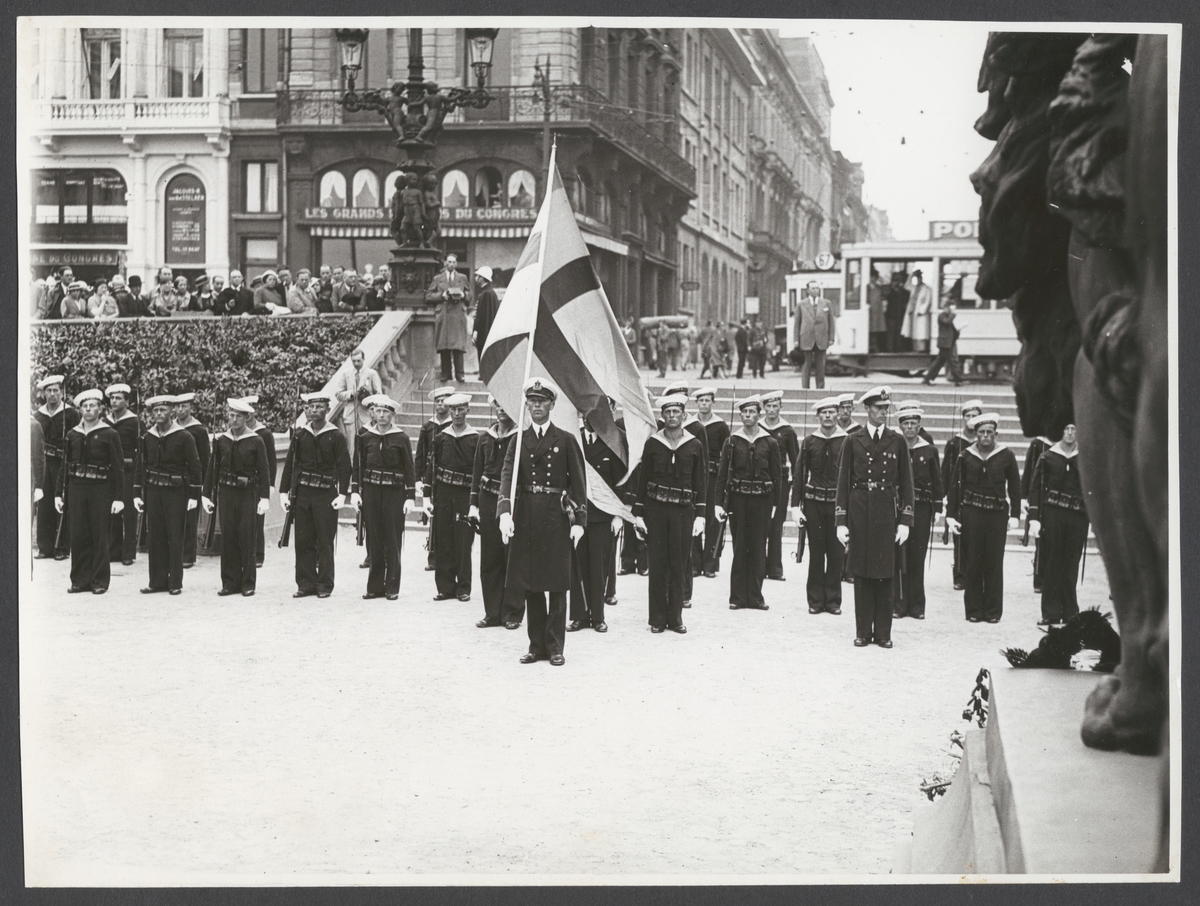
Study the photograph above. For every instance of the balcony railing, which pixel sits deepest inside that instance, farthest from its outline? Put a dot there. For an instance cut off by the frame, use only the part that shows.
(142, 113)
(575, 104)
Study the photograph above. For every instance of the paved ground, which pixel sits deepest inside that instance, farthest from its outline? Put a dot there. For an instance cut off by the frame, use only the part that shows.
(202, 740)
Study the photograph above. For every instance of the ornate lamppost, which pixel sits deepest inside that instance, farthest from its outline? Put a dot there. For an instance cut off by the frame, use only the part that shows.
(416, 110)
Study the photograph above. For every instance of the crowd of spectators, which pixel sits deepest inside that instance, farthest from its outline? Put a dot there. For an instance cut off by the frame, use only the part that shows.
(665, 345)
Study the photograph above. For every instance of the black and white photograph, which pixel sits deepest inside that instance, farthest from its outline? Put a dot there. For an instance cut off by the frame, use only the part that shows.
(478, 451)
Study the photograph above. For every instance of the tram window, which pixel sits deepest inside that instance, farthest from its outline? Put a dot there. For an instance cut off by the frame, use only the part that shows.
(959, 277)
(853, 284)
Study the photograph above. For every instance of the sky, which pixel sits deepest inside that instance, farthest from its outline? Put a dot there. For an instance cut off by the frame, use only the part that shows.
(904, 103)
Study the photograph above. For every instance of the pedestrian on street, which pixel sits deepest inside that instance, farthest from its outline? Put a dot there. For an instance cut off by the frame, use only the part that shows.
(423, 464)
(57, 418)
(949, 330)
(954, 448)
(662, 346)
(183, 418)
(980, 510)
(1058, 518)
(874, 515)
(716, 432)
(546, 521)
(594, 554)
(123, 533)
(916, 317)
(448, 476)
(741, 339)
(486, 305)
(501, 605)
(927, 503)
(757, 339)
(789, 453)
(748, 482)
(814, 329)
(897, 304)
(878, 335)
(450, 290)
(814, 498)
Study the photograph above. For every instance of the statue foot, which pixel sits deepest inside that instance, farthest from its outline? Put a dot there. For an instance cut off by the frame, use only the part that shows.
(1117, 718)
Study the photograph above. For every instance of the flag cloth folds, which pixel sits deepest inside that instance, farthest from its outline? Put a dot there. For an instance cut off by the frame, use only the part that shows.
(555, 299)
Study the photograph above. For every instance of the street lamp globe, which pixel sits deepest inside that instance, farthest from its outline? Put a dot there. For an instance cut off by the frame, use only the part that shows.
(351, 41)
(480, 42)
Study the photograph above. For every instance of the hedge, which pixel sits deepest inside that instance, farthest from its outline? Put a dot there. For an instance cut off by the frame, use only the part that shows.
(275, 358)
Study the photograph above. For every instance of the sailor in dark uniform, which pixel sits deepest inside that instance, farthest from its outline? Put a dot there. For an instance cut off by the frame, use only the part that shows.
(122, 544)
(501, 605)
(238, 480)
(384, 488)
(183, 418)
(321, 460)
(691, 424)
(56, 419)
(441, 418)
(927, 503)
(814, 496)
(845, 416)
(789, 452)
(669, 510)
(921, 432)
(166, 486)
(1058, 518)
(954, 446)
(593, 555)
(1037, 447)
(748, 481)
(716, 432)
(984, 503)
(90, 484)
(550, 479)
(268, 438)
(874, 515)
(448, 476)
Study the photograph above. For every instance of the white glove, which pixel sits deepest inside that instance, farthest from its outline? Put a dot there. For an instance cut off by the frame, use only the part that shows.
(409, 506)
(338, 502)
(117, 506)
(207, 504)
(139, 504)
(38, 494)
(719, 512)
(58, 504)
(1024, 507)
(640, 524)
(576, 534)
(797, 514)
(955, 525)
(264, 506)
(843, 534)
(192, 503)
(901, 534)
(506, 527)
(1013, 524)
(427, 506)
(697, 526)
(617, 522)
(1035, 528)
(284, 500)
(356, 500)
(473, 513)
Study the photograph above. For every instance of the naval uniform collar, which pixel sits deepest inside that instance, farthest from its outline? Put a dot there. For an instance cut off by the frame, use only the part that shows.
(996, 449)
(467, 429)
(191, 422)
(62, 407)
(1058, 448)
(712, 417)
(112, 421)
(741, 432)
(325, 427)
(171, 430)
(374, 429)
(782, 423)
(492, 430)
(838, 431)
(86, 431)
(921, 442)
(690, 420)
(661, 437)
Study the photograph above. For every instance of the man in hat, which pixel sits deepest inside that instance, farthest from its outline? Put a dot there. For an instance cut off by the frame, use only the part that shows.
(56, 419)
(910, 405)
(874, 513)
(130, 303)
(949, 329)
(669, 510)
(239, 477)
(268, 438)
(501, 605)
(441, 418)
(1058, 519)
(353, 385)
(748, 481)
(545, 522)
(123, 533)
(814, 497)
(927, 503)
(450, 291)
(980, 510)
(1033, 454)
(716, 432)
(789, 452)
(814, 330)
(448, 476)
(92, 480)
(486, 304)
(185, 420)
(954, 447)
(845, 414)
(319, 456)
(166, 485)
(384, 489)
(141, 300)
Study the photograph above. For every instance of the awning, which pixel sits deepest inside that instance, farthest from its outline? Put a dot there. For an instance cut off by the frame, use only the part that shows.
(352, 232)
(485, 232)
(603, 242)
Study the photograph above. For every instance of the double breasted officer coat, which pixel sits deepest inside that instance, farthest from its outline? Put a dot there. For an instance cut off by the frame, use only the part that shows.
(874, 495)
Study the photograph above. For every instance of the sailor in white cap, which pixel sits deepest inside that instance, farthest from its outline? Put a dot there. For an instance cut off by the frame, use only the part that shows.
(486, 305)
(122, 543)
(954, 447)
(268, 438)
(1058, 519)
(317, 476)
(501, 605)
(185, 420)
(56, 418)
(448, 476)
(814, 495)
(983, 513)
(548, 519)
(874, 513)
(238, 480)
(441, 418)
(789, 452)
(716, 432)
(90, 485)
(749, 477)
(166, 485)
(679, 390)
(845, 416)
(927, 503)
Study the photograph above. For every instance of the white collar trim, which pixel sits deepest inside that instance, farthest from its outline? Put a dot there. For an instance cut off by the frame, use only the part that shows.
(325, 427)
(741, 432)
(491, 429)
(838, 431)
(62, 407)
(662, 438)
(467, 429)
(394, 429)
(113, 421)
(1057, 448)
(171, 430)
(100, 423)
(783, 422)
(996, 449)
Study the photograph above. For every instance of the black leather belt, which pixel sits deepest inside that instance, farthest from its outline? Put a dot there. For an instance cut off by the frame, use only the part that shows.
(87, 470)
(128, 464)
(383, 477)
(1065, 501)
(874, 486)
(922, 495)
(491, 485)
(164, 479)
(457, 479)
(236, 481)
(316, 480)
(541, 489)
(753, 488)
(820, 495)
(983, 501)
(52, 451)
(665, 493)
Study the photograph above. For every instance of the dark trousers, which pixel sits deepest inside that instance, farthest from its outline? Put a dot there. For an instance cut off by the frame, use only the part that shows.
(873, 609)
(316, 524)
(758, 362)
(260, 538)
(122, 534)
(910, 600)
(1039, 565)
(236, 512)
(741, 354)
(633, 550)
(713, 540)
(89, 509)
(1064, 533)
(814, 362)
(166, 514)
(775, 538)
(190, 530)
(668, 542)
(824, 556)
(383, 523)
(547, 624)
(455, 539)
(47, 515)
(500, 604)
(749, 524)
(949, 357)
(456, 356)
(610, 572)
(983, 535)
(593, 555)
(430, 547)
(956, 567)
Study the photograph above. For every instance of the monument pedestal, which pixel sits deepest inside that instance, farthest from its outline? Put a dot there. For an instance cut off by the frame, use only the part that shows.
(413, 269)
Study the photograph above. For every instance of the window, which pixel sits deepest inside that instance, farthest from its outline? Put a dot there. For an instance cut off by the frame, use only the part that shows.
(390, 185)
(489, 188)
(260, 63)
(706, 189)
(185, 62)
(102, 52)
(262, 187)
(366, 189)
(708, 86)
(455, 190)
(333, 190)
(521, 189)
(84, 206)
(585, 194)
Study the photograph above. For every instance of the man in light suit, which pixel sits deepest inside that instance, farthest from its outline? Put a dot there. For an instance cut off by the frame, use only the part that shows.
(814, 330)
(352, 386)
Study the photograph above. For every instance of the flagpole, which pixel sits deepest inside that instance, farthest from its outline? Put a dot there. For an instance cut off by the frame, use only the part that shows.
(550, 171)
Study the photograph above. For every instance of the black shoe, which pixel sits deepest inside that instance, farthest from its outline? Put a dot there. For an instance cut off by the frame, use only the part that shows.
(959, 586)
(601, 627)
(762, 607)
(512, 625)
(972, 619)
(464, 597)
(175, 591)
(225, 592)
(898, 616)
(993, 619)
(258, 564)
(658, 629)
(610, 601)
(681, 629)
(529, 658)
(918, 616)
(886, 643)
(926, 382)
(576, 625)
(735, 606)
(189, 564)
(152, 591)
(366, 564)
(441, 597)
(837, 612)
(324, 594)
(76, 589)
(99, 590)
(430, 569)
(557, 660)
(708, 574)
(777, 578)
(61, 555)
(687, 603)
(625, 572)
(393, 596)
(248, 593)
(371, 597)
(40, 556)
(303, 594)
(127, 563)
(643, 572)
(861, 643)
(815, 610)
(485, 623)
